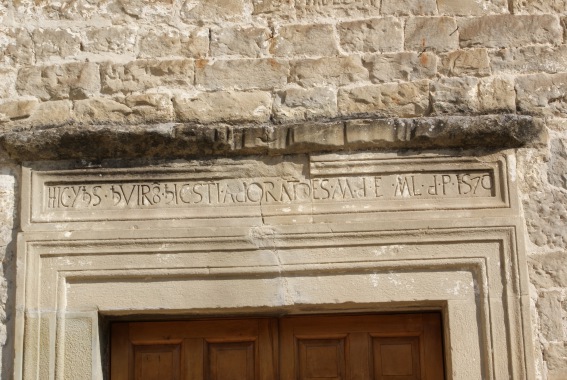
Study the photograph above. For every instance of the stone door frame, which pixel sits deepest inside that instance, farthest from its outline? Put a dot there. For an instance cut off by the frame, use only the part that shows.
(469, 263)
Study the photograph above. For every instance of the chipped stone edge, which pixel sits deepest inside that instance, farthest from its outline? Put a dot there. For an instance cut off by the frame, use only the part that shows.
(170, 140)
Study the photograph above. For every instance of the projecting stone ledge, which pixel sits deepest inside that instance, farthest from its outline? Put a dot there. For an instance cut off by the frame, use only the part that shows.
(184, 140)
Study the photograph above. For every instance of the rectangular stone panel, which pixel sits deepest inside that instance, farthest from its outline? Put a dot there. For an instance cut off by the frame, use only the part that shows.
(247, 188)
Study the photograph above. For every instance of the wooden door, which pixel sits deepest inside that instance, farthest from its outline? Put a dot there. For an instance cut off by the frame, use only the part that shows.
(197, 350)
(378, 347)
(364, 347)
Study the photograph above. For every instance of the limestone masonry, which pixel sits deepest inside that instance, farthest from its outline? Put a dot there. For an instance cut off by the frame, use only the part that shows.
(102, 99)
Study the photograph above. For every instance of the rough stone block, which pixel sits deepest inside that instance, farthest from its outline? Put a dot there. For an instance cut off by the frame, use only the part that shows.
(224, 106)
(545, 213)
(455, 96)
(304, 40)
(100, 110)
(17, 109)
(56, 43)
(409, 99)
(242, 74)
(542, 94)
(497, 94)
(473, 62)
(555, 355)
(510, 31)
(530, 59)
(278, 9)
(251, 41)
(370, 36)
(150, 108)
(370, 132)
(338, 71)
(540, 6)
(319, 134)
(212, 10)
(192, 43)
(8, 82)
(548, 270)
(409, 7)
(557, 166)
(296, 104)
(550, 315)
(115, 39)
(431, 33)
(69, 81)
(407, 66)
(53, 113)
(16, 46)
(472, 7)
(141, 75)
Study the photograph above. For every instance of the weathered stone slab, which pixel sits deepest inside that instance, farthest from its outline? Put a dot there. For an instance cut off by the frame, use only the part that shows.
(304, 40)
(374, 35)
(431, 33)
(409, 99)
(116, 39)
(284, 9)
(542, 94)
(470, 62)
(252, 42)
(509, 31)
(530, 59)
(241, 74)
(409, 7)
(338, 71)
(212, 10)
(472, 7)
(57, 43)
(192, 43)
(296, 104)
(455, 95)
(406, 66)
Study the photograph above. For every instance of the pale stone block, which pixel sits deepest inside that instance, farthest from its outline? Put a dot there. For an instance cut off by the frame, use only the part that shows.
(213, 10)
(455, 95)
(540, 6)
(406, 66)
(472, 7)
(79, 342)
(497, 95)
(16, 46)
(376, 131)
(246, 41)
(542, 94)
(530, 59)
(557, 166)
(150, 108)
(116, 39)
(141, 75)
(8, 82)
(555, 355)
(551, 315)
(210, 107)
(327, 135)
(473, 62)
(100, 110)
(192, 43)
(52, 113)
(305, 40)
(338, 71)
(295, 104)
(374, 35)
(545, 213)
(409, 7)
(437, 33)
(59, 43)
(409, 99)
(69, 81)
(510, 31)
(246, 74)
(286, 10)
(17, 109)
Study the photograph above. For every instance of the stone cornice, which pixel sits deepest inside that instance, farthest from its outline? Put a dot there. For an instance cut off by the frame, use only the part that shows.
(173, 140)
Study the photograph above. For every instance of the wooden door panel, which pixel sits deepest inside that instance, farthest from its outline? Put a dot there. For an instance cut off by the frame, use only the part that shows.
(396, 358)
(230, 361)
(321, 359)
(157, 362)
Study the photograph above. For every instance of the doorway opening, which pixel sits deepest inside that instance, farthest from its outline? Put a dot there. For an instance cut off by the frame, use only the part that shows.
(381, 347)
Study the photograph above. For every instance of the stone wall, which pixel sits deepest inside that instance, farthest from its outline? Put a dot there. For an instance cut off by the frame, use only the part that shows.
(145, 67)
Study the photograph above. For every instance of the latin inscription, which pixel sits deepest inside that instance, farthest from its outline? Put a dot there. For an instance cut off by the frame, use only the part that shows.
(165, 194)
